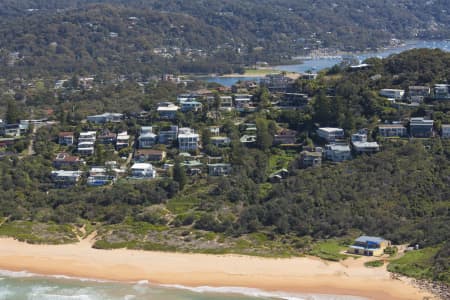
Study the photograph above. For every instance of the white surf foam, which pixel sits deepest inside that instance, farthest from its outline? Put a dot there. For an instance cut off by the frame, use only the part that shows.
(258, 293)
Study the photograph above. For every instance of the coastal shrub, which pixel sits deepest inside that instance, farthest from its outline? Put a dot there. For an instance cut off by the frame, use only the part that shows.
(374, 263)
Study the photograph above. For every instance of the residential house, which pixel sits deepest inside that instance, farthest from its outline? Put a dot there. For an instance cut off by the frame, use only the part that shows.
(285, 136)
(392, 93)
(88, 136)
(442, 91)
(191, 105)
(361, 145)
(123, 140)
(167, 110)
(421, 128)
(330, 134)
(106, 137)
(369, 245)
(310, 159)
(445, 133)
(105, 118)
(215, 130)
(276, 82)
(418, 93)
(99, 176)
(392, 130)
(86, 148)
(278, 175)
(66, 161)
(66, 138)
(143, 170)
(188, 140)
(338, 152)
(220, 169)
(243, 102)
(86, 83)
(226, 103)
(13, 130)
(63, 178)
(143, 155)
(147, 140)
(220, 141)
(168, 136)
(247, 139)
(293, 100)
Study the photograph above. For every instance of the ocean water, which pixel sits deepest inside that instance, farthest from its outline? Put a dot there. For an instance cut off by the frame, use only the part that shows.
(320, 63)
(27, 286)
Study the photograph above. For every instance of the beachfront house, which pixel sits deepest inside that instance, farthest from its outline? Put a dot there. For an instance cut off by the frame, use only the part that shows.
(369, 245)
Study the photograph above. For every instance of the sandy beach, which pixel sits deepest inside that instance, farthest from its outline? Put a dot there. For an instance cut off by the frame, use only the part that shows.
(301, 275)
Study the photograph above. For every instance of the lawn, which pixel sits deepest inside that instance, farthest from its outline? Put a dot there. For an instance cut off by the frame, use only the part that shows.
(329, 250)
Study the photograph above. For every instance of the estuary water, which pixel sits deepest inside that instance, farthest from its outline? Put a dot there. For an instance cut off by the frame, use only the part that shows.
(27, 286)
(320, 63)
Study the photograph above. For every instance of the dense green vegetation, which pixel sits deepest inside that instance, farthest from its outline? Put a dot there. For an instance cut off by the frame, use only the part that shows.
(429, 263)
(401, 193)
(75, 36)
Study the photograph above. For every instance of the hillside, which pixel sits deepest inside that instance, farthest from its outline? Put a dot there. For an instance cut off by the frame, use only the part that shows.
(229, 33)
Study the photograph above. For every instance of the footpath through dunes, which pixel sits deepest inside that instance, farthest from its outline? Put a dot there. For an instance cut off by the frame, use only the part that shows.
(294, 275)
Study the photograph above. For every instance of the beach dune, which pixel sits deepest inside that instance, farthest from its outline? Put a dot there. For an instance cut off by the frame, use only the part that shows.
(294, 275)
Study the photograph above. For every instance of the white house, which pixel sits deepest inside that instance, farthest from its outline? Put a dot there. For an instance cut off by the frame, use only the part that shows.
(105, 118)
(220, 141)
(123, 140)
(392, 130)
(337, 153)
(392, 93)
(226, 102)
(330, 134)
(167, 110)
(143, 170)
(88, 136)
(66, 178)
(188, 140)
(86, 148)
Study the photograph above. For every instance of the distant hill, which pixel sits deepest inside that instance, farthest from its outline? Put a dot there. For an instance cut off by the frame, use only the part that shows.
(243, 31)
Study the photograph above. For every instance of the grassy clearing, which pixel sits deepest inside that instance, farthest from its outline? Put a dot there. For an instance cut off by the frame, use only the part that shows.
(417, 264)
(329, 250)
(39, 233)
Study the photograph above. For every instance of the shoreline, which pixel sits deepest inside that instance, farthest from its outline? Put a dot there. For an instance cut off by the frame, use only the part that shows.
(303, 275)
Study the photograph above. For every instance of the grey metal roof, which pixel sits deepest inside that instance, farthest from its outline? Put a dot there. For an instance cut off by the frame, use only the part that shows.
(373, 239)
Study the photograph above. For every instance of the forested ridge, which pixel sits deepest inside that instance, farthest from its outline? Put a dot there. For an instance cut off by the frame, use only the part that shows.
(75, 35)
